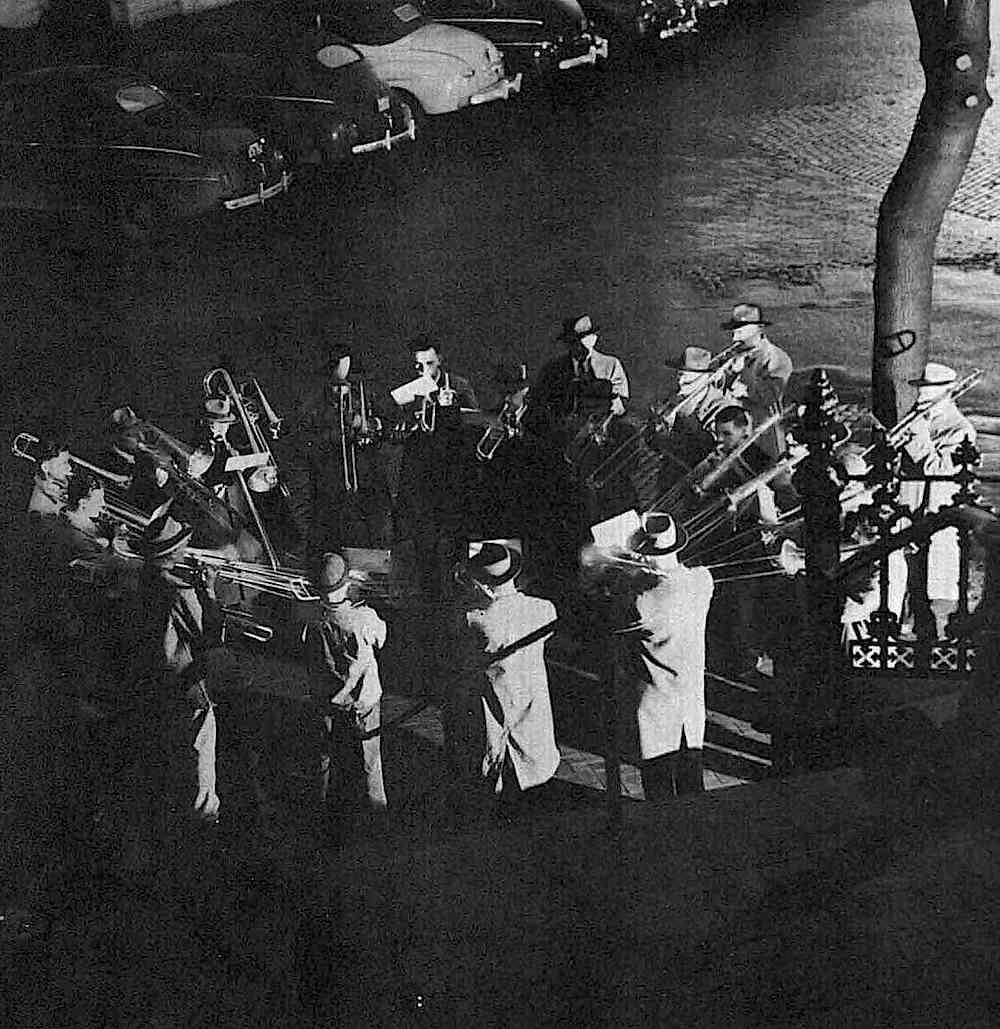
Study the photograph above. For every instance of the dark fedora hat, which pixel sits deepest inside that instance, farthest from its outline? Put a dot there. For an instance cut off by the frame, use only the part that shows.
(693, 359)
(494, 564)
(578, 328)
(745, 314)
(219, 409)
(162, 537)
(334, 571)
(658, 535)
(335, 352)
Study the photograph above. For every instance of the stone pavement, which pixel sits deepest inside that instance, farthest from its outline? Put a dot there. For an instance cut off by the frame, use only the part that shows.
(863, 140)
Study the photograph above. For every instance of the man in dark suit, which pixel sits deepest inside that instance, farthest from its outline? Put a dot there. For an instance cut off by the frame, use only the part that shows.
(438, 470)
(579, 383)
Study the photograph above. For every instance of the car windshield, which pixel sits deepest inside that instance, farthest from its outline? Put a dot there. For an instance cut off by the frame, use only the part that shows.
(139, 97)
(373, 22)
(336, 55)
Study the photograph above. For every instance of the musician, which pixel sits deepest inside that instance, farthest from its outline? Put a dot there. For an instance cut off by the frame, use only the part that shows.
(933, 441)
(509, 481)
(348, 639)
(438, 463)
(733, 463)
(170, 644)
(765, 372)
(739, 621)
(663, 664)
(338, 493)
(499, 720)
(685, 437)
(439, 399)
(580, 382)
(55, 469)
(147, 488)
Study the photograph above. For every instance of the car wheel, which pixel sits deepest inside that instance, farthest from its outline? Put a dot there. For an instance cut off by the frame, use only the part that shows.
(417, 112)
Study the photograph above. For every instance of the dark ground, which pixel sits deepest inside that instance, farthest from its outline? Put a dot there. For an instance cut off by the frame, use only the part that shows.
(633, 193)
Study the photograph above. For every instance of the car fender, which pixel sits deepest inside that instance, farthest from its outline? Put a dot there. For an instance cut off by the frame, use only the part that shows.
(438, 81)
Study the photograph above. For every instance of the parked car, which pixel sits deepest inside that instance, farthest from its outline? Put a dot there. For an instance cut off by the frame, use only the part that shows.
(323, 114)
(644, 19)
(437, 68)
(534, 36)
(108, 141)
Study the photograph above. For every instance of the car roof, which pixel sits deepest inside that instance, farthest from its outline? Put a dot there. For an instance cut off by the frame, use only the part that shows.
(373, 21)
(95, 76)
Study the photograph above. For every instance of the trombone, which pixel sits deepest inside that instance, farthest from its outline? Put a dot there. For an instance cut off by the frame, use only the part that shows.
(290, 583)
(348, 450)
(115, 506)
(662, 416)
(249, 414)
(897, 435)
(24, 442)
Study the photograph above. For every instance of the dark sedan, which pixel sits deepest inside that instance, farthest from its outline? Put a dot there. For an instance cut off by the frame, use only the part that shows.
(324, 114)
(646, 19)
(108, 142)
(534, 36)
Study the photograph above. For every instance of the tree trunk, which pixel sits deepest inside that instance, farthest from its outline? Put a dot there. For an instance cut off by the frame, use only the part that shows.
(954, 54)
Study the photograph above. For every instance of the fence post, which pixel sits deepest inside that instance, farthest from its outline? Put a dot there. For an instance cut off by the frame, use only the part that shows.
(980, 706)
(814, 699)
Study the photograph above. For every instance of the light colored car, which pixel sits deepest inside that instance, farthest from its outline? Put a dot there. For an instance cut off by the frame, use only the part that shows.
(438, 67)
(537, 37)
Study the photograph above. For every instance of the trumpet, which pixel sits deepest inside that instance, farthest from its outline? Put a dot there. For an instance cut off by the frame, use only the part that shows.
(427, 412)
(249, 415)
(506, 427)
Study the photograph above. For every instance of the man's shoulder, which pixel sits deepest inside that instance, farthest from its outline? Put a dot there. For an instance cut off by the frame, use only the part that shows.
(599, 359)
(347, 616)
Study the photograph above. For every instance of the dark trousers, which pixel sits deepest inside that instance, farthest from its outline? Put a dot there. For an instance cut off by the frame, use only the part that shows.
(674, 774)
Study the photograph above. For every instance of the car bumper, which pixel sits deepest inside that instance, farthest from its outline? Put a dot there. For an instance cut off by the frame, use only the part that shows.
(389, 140)
(263, 193)
(597, 49)
(501, 91)
(678, 27)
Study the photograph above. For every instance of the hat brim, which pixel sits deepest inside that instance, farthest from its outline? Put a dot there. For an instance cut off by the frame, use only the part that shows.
(165, 548)
(928, 382)
(678, 367)
(641, 543)
(732, 324)
(570, 335)
(482, 576)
